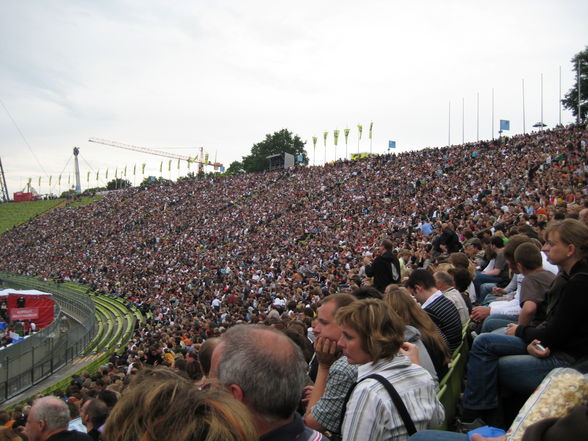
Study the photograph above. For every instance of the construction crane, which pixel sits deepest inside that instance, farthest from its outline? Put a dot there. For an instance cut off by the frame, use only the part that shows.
(201, 162)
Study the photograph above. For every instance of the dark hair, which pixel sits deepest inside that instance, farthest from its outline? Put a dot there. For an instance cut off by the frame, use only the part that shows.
(387, 244)
(529, 256)
(340, 300)
(366, 292)
(421, 277)
(513, 244)
(497, 241)
(205, 354)
(461, 277)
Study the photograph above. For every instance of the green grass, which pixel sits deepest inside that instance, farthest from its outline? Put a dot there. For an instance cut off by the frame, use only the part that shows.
(85, 200)
(16, 213)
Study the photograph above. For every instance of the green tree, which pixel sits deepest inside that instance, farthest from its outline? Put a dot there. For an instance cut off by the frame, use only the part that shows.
(189, 177)
(152, 180)
(68, 194)
(279, 142)
(118, 183)
(235, 168)
(571, 99)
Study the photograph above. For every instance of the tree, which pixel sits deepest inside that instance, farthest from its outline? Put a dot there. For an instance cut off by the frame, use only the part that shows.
(117, 183)
(277, 143)
(235, 168)
(189, 177)
(571, 99)
(152, 180)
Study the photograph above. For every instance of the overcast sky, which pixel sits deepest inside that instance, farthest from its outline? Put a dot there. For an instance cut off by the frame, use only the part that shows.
(177, 75)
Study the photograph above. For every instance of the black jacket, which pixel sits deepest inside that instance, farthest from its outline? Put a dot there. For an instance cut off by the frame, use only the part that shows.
(381, 270)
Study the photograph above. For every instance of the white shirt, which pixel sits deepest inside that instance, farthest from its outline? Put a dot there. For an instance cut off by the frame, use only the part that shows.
(371, 414)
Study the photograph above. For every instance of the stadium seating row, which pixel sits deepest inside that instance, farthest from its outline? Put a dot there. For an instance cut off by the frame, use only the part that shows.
(451, 385)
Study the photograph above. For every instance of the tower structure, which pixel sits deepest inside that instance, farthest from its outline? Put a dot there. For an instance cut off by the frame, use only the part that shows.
(76, 152)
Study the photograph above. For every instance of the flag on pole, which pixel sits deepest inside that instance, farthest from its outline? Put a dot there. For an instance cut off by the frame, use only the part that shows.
(69, 178)
(59, 180)
(135, 170)
(169, 165)
(88, 176)
(336, 136)
(188, 161)
(325, 137)
(161, 167)
(39, 185)
(50, 180)
(97, 175)
(143, 168)
(314, 140)
(106, 174)
(371, 126)
(346, 132)
(125, 171)
(178, 164)
(116, 173)
(504, 124)
(206, 159)
(360, 129)
(391, 145)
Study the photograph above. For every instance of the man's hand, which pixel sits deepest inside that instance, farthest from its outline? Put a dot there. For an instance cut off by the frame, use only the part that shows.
(307, 392)
(498, 291)
(533, 350)
(411, 351)
(479, 313)
(511, 329)
(326, 351)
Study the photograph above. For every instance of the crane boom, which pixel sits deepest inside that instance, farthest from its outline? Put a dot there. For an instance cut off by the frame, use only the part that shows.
(121, 145)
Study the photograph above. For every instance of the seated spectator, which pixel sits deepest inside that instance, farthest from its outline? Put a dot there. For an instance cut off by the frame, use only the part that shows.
(335, 375)
(265, 370)
(94, 413)
(446, 285)
(372, 339)
(514, 360)
(421, 284)
(413, 315)
(48, 420)
(495, 273)
(170, 407)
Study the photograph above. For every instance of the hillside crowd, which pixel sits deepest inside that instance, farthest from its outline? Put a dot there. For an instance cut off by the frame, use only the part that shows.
(206, 256)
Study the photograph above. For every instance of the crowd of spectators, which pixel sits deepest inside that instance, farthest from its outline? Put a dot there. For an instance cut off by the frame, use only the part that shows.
(204, 255)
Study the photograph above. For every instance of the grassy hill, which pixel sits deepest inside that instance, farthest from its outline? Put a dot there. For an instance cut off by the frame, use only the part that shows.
(16, 213)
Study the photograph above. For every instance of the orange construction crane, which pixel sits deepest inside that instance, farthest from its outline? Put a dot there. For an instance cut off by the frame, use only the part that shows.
(201, 162)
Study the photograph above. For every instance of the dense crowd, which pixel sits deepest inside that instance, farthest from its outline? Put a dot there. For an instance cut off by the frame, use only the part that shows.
(205, 255)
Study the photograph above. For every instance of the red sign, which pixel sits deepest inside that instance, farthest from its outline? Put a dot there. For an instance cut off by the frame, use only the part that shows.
(24, 313)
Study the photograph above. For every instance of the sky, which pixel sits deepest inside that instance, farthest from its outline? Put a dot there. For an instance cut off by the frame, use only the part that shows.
(181, 75)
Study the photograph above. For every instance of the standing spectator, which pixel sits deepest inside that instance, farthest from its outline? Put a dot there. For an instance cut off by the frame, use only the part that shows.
(385, 269)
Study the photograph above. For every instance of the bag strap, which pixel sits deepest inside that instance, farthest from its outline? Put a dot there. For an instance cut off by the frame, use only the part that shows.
(406, 419)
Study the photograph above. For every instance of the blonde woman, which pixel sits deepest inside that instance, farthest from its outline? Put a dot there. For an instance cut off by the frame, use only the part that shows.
(164, 405)
(372, 337)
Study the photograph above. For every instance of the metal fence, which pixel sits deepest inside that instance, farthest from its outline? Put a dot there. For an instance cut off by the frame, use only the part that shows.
(35, 358)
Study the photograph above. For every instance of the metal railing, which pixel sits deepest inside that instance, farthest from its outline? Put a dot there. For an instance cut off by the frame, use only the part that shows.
(35, 358)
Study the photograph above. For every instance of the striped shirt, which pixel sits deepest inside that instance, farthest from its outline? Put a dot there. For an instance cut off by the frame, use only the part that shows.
(446, 317)
(371, 414)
